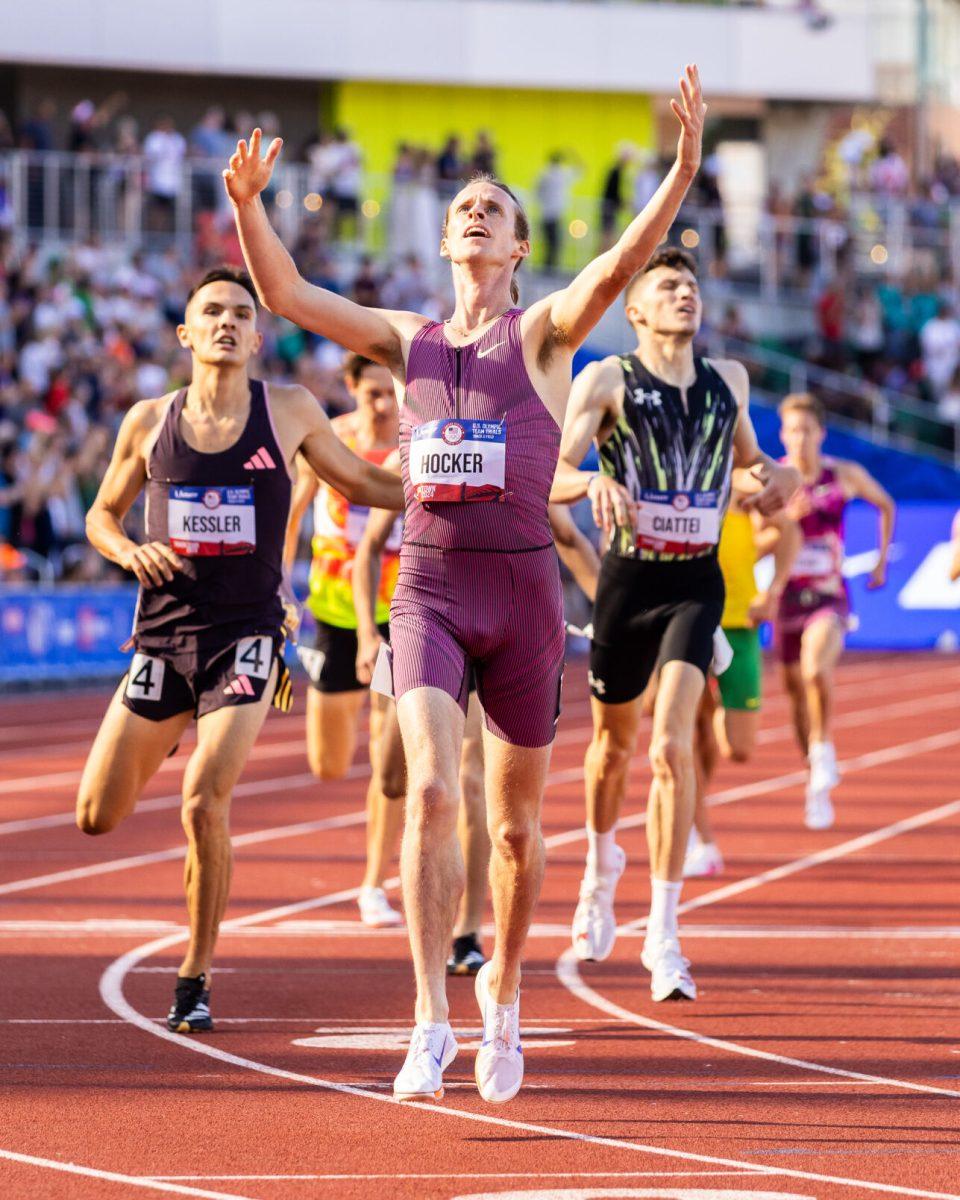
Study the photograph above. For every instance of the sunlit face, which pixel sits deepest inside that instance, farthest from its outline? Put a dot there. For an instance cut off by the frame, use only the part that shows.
(375, 399)
(802, 436)
(666, 301)
(220, 326)
(481, 227)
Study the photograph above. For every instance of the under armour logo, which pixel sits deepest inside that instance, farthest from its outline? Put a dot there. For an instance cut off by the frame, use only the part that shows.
(596, 684)
(654, 397)
(261, 461)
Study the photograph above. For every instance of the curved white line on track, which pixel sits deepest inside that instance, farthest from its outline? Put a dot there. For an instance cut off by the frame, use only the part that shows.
(569, 975)
(111, 991)
(140, 1181)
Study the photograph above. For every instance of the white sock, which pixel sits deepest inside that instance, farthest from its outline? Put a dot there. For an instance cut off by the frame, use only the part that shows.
(601, 851)
(664, 898)
(823, 749)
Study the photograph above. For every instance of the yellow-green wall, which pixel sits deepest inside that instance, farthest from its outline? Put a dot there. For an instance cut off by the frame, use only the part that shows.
(525, 125)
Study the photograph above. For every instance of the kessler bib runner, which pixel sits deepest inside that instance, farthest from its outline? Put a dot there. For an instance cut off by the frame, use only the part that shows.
(208, 521)
(456, 460)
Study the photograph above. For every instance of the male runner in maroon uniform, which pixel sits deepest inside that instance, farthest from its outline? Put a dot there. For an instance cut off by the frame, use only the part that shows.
(215, 461)
(482, 403)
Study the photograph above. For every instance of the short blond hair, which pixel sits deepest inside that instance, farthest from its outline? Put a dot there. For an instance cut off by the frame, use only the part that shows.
(804, 402)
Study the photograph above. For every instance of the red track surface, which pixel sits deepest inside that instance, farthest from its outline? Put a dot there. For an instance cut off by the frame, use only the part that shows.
(822, 1059)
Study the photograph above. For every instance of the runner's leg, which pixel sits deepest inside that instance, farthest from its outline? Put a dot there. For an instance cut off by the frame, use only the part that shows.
(820, 650)
(707, 752)
(225, 738)
(607, 763)
(472, 825)
(126, 753)
(515, 781)
(431, 866)
(386, 790)
(796, 693)
(332, 725)
(670, 811)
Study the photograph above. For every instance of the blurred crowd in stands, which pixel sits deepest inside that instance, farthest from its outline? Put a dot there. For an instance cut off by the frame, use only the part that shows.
(88, 328)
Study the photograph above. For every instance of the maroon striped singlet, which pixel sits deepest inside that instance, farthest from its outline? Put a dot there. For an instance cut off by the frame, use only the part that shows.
(479, 580)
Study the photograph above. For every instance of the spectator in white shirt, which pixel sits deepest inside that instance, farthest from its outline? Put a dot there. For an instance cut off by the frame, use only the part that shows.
(164, 150)
(940, 346)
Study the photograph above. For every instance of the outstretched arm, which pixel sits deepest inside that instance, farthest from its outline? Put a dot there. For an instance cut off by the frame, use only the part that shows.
(574, 311)
(361, 482)
(377, 334)
(859, 484)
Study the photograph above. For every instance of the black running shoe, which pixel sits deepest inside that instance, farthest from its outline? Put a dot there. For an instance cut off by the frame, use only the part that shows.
(466, 957)
(190, 1012)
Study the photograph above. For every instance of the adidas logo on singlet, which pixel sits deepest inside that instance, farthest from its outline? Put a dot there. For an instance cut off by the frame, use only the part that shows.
(261, 461)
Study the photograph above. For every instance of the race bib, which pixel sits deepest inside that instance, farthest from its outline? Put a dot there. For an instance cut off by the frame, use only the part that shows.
(454, 460)
(145, 677)
(206, 521)
(815, 560)
(678, 522)
(254, 657)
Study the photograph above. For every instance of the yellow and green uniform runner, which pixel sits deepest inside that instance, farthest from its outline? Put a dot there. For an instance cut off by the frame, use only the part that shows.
(741, 683)
(338, 527)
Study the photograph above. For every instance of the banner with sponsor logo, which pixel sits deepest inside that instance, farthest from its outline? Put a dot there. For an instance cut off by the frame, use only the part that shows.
(73, 632)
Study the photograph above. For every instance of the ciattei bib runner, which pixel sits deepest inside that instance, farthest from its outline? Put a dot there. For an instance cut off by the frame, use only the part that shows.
(457, 460)
(675, 461)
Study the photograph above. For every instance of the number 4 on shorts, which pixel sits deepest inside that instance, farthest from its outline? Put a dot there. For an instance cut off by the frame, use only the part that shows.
(254, 657)
(145, 677)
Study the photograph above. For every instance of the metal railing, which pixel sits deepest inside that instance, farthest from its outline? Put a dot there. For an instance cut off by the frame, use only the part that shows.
(890, 418)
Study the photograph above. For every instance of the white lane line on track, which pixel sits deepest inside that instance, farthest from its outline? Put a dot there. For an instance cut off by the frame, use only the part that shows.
(568, 971)
(281, 749)
(111, 991)
(478, 1175)
(278, 833)
(140, 1181)
(741, 792)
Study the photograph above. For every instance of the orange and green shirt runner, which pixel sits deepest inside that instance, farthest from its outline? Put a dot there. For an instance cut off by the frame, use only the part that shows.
(338, 527)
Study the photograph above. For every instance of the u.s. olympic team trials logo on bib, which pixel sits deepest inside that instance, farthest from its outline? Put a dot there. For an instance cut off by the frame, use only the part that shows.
(453, 433)
(211, 498)
(681, 501)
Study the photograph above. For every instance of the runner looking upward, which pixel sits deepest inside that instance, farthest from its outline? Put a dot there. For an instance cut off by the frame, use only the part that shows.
(214, 460)
(482, 402)
(669, 427)
(814, 609)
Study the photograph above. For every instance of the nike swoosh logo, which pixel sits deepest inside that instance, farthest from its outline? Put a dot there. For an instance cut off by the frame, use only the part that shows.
(489, 350)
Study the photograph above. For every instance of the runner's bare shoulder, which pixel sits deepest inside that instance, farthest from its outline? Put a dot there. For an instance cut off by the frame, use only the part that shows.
(734, 374)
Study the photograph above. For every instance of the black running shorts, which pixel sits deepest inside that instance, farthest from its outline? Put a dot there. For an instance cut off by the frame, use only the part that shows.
(330, 657)
(650, 613)
(199, 679)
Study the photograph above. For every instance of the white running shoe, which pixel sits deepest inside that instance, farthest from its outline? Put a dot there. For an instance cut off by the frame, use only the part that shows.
(670, 977)
(594, 924)
(375, 909)
(432, 1049)
(824, 773)
(818, 810)
(703, 860)
(499, 1067)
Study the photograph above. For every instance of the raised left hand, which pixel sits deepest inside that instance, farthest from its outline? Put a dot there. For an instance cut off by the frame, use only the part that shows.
(779, 483)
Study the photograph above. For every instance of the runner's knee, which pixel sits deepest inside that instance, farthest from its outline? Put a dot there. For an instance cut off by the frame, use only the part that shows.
(392, 779)
(431, 806)
(203, 814)
(95, 817)
(610, 752)
(670, 757)
(515, 838)
(328, 762)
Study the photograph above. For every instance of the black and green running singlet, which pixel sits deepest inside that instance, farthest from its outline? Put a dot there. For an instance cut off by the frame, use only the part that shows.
(675, 461)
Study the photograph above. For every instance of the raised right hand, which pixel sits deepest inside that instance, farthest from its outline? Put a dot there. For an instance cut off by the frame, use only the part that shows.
(153, 563)
(368, 648)
(249, 173)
